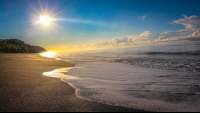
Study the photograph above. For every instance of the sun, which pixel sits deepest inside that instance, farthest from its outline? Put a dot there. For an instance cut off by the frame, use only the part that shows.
(45, 20)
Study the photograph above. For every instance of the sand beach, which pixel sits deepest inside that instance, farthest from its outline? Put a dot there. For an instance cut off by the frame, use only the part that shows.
(24, 89)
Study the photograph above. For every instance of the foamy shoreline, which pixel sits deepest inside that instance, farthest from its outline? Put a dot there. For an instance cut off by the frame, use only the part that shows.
(95, 78)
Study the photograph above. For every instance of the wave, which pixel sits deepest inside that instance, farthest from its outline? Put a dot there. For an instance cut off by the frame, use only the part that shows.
(188, 61)
(174, 53)
(184, 65)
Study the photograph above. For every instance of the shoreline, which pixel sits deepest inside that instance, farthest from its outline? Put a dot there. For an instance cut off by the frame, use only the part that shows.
(25, 89)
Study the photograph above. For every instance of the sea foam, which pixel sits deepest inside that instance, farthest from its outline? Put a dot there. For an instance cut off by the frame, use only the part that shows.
(164, 80)
(134, 87)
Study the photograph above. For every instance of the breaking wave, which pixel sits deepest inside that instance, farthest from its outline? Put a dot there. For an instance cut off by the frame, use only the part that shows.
(174, 53)
(166, 64)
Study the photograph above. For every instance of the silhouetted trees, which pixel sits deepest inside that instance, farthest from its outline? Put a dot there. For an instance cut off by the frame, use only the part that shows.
(16, 46)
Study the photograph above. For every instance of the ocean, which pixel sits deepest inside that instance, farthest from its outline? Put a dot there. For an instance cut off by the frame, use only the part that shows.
(156, 78)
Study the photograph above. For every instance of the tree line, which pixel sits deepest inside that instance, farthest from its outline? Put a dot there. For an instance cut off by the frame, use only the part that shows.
(15, 46)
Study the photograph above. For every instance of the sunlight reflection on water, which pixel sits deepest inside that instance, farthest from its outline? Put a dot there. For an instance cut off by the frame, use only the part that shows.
(58, 73)
(49, 54)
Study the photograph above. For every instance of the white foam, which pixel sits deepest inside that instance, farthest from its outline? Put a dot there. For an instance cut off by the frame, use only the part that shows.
(133, 87)
(97, 78)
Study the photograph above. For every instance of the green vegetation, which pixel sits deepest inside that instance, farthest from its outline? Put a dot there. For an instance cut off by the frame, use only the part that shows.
(16, 46)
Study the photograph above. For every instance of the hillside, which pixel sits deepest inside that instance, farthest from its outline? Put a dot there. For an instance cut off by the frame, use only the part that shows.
(18, 46)
(39, 49)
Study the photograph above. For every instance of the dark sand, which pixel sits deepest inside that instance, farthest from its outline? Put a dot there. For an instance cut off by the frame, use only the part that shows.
(24, 89)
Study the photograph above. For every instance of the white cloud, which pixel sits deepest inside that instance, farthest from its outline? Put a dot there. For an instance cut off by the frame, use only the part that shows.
(114, 42)
(191, 33)
(181, 32)
(142, 17)
(142, 36)
(145, 34)
(195, 36)
(124, 41)
(192, 22)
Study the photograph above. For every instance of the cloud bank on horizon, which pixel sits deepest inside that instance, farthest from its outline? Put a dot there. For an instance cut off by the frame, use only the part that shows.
(190, 33)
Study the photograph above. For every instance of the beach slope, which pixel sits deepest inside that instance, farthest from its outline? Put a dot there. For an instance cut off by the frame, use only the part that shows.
(24, 89)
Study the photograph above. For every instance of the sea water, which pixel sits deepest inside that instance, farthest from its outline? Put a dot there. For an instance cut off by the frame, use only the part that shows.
(157, 78)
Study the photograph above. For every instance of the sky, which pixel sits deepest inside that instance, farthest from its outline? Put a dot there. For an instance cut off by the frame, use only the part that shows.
(101, 24)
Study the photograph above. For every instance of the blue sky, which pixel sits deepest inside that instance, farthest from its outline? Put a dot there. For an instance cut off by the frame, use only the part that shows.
(101, 23)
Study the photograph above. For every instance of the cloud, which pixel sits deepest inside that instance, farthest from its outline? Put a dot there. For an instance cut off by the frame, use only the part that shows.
(195, 36)
(114, 42)
(101, 44)
(124, 41)
(191, 33)
(142, 17)
(142, 36)
(181, 32)
(162, 37)
(145, 34)
(192, 22)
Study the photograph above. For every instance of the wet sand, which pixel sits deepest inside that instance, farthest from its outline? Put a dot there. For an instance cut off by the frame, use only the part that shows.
(24, 89)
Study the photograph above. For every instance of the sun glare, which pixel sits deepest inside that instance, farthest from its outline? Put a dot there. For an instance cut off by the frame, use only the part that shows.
(45, 20)
(49, 54)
